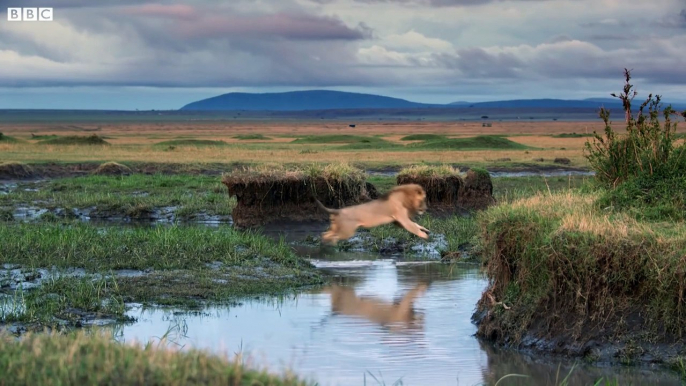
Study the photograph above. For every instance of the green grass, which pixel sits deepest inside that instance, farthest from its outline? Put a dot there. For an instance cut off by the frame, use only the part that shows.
(337, 138)
(57, 298)
(74, 140)
(191, 142)
(572, 135)
(98, 250)
(423, 137)
(481, 142)
(7, 139)
(43, 137)
(96, 359)
(372, 145)
(245, 137)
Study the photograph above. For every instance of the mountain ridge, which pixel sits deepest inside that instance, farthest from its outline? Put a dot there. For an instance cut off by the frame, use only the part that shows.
(310, 100)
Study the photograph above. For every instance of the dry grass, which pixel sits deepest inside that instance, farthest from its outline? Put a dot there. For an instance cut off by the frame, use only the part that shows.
(225, 130)
(129, 153)
(429, 171)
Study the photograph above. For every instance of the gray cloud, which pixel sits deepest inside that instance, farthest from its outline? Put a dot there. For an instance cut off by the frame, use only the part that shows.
(291, 43)
(432, 3)
(57, 4)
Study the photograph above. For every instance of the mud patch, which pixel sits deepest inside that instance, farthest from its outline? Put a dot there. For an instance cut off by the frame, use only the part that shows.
(15, 170)
(476, 193)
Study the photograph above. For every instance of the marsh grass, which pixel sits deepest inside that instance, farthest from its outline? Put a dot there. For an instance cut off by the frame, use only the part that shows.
(132, 194)
(97, 250)
(179, 265)
(67, 298)
(95, 358)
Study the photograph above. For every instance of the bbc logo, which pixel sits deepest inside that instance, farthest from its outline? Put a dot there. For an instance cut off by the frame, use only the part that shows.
(29, 14)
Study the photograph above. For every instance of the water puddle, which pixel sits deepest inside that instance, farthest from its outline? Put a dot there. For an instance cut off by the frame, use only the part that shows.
(381, 321)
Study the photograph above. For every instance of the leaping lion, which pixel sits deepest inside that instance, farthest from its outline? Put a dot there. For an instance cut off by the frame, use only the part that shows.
(398, 206)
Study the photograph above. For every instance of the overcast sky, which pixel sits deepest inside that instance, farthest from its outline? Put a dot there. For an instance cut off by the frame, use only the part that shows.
(128, 54)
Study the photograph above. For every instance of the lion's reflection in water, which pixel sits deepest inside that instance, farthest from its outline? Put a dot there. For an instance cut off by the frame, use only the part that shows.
(397, 317)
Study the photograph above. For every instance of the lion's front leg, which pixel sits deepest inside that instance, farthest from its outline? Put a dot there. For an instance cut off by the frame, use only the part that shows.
(413, 227)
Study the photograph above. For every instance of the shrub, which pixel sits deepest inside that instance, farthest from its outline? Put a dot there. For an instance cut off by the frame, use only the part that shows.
(647, 148)
(644, 169)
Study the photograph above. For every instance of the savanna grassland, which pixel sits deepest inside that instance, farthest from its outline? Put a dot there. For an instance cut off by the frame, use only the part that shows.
(368, 143)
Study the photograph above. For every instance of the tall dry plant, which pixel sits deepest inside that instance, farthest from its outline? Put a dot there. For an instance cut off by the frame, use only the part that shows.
(647, 146)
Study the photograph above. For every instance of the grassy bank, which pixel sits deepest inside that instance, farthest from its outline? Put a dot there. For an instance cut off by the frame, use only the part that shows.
(564, 271)
(171, 265)
(97, 359)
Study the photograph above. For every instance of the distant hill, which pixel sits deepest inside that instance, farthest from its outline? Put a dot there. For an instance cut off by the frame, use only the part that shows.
(301, 100)
(315, 100)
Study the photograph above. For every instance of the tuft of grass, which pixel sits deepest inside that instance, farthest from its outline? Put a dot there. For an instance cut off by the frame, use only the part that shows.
(429, 171)
(75, 140)
(245, 137)
(190, 142)
(95, 358)
(481, 142)
(272, 172)
(423, 137)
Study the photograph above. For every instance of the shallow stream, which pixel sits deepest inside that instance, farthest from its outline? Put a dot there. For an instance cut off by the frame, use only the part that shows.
(383, 321)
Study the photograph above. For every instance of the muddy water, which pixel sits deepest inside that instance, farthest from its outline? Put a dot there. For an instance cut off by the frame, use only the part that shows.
(382, 321)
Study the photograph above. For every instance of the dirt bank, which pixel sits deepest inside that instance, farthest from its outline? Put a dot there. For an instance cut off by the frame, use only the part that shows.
(268, 195)
(448, 191)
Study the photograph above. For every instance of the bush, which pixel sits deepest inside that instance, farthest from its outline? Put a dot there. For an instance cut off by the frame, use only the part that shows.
(643, 167)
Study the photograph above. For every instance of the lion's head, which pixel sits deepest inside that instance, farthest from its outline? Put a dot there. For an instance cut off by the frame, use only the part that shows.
(414, 198)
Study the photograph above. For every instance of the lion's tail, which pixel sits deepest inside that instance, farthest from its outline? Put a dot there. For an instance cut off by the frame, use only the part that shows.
(328, 210)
